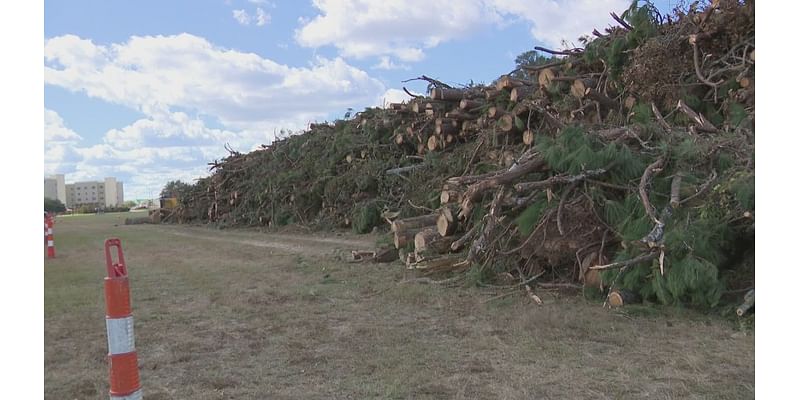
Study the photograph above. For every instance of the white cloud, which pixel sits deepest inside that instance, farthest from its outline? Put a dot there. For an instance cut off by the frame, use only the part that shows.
(262, 18)
(401, 29)
(406, 29)
(395, 96)
(387, 64)
(242, 17)
(178, 83)
(54, 129)
(242, 90)
(554, 21)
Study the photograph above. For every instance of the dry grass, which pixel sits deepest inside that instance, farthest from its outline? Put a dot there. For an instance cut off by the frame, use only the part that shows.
(240, 315)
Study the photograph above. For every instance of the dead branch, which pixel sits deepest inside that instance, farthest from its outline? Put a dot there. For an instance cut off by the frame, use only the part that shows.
(648, 172)
(632, 261)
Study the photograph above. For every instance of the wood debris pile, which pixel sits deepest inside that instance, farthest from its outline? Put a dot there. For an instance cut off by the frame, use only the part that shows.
(625, 164)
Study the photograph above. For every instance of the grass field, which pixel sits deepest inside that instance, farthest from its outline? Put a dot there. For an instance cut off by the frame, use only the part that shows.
(249, 315)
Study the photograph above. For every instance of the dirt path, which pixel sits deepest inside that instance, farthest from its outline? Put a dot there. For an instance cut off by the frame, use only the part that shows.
(309, 244)
(247, 315)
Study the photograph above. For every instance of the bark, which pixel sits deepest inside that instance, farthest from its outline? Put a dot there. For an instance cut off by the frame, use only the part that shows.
(414, 222)
(517, 171)
(468, 105)
(405, 235)
(447, 94)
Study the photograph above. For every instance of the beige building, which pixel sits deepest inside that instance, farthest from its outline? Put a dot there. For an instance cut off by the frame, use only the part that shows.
(105, 193)
(54, 188)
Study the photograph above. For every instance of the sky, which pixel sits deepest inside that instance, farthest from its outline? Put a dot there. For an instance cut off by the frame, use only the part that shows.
(152, 91)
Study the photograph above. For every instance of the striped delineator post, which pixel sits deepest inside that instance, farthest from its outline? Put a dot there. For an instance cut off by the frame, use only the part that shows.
(51, 247)
(122, 360)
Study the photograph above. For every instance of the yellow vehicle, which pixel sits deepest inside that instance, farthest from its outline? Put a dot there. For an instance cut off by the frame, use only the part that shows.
(169, 202)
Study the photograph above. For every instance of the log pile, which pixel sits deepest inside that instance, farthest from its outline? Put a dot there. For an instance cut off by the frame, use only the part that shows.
(625, 165)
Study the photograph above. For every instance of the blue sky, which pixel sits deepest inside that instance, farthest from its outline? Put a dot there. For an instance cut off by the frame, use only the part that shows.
(150, 91)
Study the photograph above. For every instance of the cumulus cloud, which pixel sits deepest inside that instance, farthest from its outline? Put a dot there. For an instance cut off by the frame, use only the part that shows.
(555, 21)
(242, 90)
(178, 83)
(401, 29)
(404, 30)
(55, 131)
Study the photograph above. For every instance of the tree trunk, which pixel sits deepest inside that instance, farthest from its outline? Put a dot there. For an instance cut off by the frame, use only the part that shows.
(468, 105)
(520, 93)
(430, 240)
(527, 137)
(446, 223)
(507, 82)
(507, 123)
(404, 236)
(622, 297)
(447, 94)
(579, 86)
(546, 76)
(414, 222)
(749, 302)
(495, 112)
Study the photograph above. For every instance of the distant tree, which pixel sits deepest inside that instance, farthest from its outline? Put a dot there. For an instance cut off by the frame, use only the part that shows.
(174, 189)
(529, 58)
(54, 205)
(129, 204)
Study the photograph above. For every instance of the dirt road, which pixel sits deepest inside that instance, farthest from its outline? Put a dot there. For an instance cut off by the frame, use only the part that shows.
(246, 315)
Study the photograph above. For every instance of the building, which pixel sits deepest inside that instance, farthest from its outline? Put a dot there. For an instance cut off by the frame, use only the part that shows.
(101, 194)
(54, 188)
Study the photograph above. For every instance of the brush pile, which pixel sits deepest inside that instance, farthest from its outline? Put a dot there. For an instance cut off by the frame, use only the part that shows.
(625, 164)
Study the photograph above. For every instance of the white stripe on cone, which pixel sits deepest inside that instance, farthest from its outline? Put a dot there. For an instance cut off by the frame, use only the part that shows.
(137, 395)
(49, 243)
(49, 231)
(120, 335)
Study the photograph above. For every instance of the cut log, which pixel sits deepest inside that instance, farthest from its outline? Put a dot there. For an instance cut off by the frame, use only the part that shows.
(546, 76)
(349, 158)
(521, 92)
(495, 112)
(447, 129)
(590, 277)
(399, 138)
(579, 86)
(425, 237)
(507, 82)
(414, 222)
(446, 223)
(507, 123)
(405, 236)
(749, 302)
(468, 105)
(449, 196)
(622, 297)
(447, 94)
(630, 101)
(527, 137)
(433, 142)
(460, 115)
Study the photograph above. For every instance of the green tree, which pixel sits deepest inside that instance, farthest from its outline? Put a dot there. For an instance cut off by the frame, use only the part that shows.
(54, 205)
(174, 189)
(528, 58)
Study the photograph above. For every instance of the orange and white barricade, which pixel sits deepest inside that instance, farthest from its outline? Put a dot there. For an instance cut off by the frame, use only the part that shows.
(51, 247)
(122, 360)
